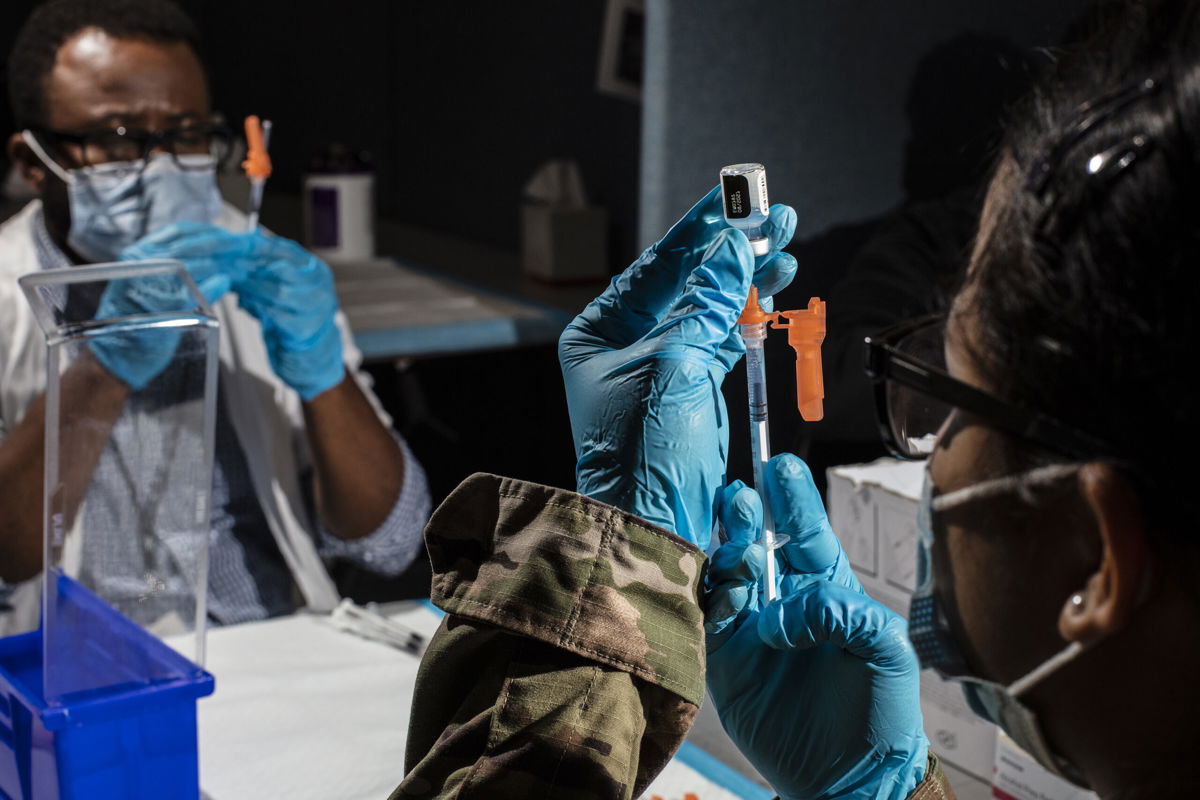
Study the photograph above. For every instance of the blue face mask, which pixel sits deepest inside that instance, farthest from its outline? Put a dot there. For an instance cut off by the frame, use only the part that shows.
(932, 637)
(114, 205)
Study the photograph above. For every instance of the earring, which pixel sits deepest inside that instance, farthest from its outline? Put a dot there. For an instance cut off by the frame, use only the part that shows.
(1077, 601)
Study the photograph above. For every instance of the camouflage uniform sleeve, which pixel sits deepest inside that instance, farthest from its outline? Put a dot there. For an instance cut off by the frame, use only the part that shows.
(571, 660)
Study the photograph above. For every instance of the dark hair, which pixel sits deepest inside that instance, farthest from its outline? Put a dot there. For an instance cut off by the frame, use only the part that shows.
(1084, 293)
(53, 23)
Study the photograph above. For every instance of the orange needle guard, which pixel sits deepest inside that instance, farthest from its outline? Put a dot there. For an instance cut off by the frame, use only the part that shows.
(257, 164)
(806, 332)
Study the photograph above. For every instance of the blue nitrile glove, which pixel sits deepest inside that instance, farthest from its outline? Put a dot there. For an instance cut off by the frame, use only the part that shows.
(643, 366)
(136, 357)
(214, 257)
(819, 689)
(291, 293)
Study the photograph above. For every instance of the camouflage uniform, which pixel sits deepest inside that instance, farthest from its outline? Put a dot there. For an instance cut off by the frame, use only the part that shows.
(571, 660)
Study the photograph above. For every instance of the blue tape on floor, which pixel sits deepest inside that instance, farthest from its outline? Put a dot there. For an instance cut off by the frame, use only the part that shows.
(721, 773)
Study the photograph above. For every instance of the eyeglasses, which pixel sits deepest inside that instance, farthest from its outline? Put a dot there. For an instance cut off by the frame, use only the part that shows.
(106, 145)
(915, 395)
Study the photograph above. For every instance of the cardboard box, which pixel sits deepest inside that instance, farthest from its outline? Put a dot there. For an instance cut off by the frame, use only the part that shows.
(873, 509)
(1019, 777)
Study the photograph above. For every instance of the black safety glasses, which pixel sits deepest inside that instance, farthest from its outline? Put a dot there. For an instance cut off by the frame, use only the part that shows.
(915, 395)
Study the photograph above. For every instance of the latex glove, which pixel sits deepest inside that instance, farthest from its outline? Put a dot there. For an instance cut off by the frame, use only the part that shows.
(215, 258)
(136, 357)
(291, 293)
(643, 366)
(820, 688)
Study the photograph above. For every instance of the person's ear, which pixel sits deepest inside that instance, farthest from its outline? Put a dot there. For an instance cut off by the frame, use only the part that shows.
(27, 163)
(1106, 602)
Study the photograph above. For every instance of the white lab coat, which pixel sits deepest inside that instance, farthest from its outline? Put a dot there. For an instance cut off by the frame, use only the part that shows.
(265, 413)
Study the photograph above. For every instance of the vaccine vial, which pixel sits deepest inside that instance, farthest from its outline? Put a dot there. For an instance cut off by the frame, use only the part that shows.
(744, 189)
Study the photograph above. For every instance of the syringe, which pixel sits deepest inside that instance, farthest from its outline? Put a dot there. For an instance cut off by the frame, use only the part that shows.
(257, 164)
(744, 190)
(753, 324)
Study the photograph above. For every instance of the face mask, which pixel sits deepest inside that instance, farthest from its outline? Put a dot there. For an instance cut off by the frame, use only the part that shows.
(114, 205)
(931, 635)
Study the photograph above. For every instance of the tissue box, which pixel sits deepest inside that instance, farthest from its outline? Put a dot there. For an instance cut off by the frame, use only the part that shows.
(134, 740)
(564, 245)
(873, 509)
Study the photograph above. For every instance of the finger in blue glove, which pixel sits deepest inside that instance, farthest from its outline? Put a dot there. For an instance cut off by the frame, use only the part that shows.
(772, 272)
(799, 512)
(637, 298)
(775, 270)
(737, 565)
(214, 257)
(291, 292)
(137, 353)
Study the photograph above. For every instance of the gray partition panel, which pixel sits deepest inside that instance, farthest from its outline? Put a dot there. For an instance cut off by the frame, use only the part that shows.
(815, 89)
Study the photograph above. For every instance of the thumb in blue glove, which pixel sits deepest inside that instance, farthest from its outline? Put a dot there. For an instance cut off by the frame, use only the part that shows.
(214, 257)
(291, 293)
(736, 568)
(820, 688)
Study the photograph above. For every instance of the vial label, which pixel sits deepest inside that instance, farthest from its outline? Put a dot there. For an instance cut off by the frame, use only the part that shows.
(736, 190)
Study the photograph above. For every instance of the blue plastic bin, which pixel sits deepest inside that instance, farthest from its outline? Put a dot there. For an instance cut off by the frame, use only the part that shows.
(133, 740)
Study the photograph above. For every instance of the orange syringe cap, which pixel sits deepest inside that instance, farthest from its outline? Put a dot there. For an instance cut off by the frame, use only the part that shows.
(806, 332)
(257, 164)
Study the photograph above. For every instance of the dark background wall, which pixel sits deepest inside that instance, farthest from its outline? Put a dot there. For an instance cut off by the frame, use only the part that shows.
(825, 94)
(458, 103)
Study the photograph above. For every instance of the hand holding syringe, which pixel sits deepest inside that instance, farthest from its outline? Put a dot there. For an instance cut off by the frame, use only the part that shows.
(744, 187)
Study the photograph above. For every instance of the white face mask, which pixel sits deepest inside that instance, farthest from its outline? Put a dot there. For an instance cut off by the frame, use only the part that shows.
(114, 205)
(932, 637)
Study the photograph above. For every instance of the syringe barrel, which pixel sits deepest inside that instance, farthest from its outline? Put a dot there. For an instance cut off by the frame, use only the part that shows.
(756, 373)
